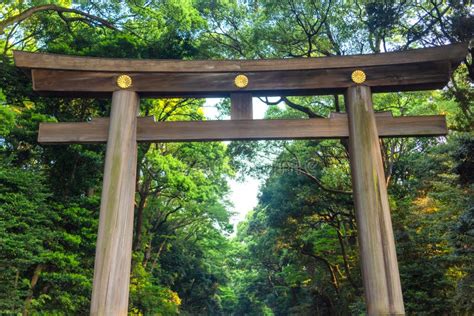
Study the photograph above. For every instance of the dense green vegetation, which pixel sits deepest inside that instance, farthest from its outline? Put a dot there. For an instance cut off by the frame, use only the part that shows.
(296, 253)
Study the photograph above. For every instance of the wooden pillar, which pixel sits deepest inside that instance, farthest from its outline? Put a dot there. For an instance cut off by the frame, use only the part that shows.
(380, 274)
(114, 241)
(241, 106)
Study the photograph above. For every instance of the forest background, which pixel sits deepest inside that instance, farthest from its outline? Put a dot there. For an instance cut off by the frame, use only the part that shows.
(296, 253)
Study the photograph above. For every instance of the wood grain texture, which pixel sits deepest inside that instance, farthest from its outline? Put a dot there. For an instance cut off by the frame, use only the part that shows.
(380, 274)
(114, 241)
(385, 78)
(241, 107)
(454, 53)
(148, 130)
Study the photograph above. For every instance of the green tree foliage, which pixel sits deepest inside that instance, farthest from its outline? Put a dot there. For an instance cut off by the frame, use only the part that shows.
(46, 246)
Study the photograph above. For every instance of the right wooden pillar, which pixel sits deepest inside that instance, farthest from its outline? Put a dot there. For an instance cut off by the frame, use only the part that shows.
(378, 256)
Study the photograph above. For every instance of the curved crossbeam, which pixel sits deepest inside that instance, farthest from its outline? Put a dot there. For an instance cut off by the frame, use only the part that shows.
(420, 69)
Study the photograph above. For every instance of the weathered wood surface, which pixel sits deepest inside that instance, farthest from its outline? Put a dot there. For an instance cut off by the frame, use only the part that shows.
(114, 240)
(241, 107)
(413, 76)
(150, 131)
(96, 77)
(452, 53)
(376, 242)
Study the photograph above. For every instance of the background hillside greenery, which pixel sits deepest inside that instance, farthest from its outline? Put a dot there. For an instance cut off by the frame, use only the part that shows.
(296, 253)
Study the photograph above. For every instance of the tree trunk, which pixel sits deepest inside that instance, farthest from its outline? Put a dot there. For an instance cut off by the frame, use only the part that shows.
(34, 281)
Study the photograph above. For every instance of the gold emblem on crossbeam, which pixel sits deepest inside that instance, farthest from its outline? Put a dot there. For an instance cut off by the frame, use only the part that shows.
(358, 76)
(241, 81)
(124, 81)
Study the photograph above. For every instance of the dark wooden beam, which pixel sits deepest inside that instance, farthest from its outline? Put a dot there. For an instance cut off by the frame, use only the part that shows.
(150, 131)
(415, 76)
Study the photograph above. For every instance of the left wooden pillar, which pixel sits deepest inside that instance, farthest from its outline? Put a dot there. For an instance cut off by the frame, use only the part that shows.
(114, 241)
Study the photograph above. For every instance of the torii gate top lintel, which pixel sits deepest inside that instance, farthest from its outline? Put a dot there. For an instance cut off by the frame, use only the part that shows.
(419, 69)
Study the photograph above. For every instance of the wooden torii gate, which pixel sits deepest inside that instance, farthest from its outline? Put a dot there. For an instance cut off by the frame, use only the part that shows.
(354, 76)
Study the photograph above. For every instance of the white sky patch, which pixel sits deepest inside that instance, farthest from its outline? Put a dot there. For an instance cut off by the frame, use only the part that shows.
(244, 197)
(243, 194)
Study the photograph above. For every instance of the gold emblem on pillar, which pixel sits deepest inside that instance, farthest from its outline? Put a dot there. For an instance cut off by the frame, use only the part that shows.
(358, 76)
(241, 81)
(124, 81)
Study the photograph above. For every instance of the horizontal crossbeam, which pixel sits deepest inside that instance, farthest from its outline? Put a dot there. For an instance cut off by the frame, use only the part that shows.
(96, 131)
(418, 76)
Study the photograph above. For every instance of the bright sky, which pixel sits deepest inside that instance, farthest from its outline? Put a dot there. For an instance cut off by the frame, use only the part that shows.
(244, 194)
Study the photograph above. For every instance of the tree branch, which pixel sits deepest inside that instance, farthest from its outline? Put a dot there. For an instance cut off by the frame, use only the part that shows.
(52, 7)
(320, 184)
